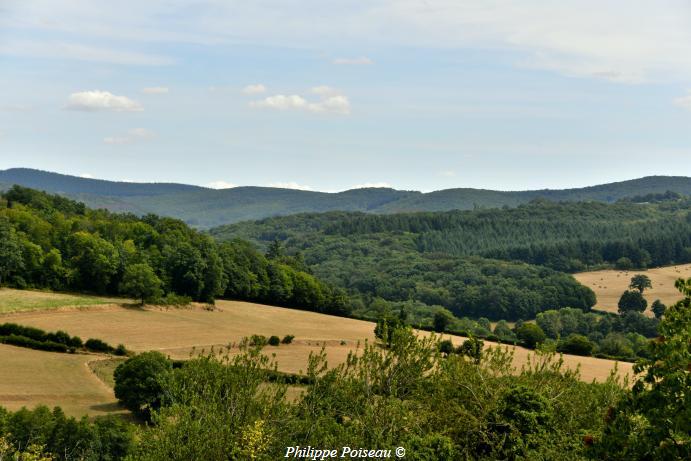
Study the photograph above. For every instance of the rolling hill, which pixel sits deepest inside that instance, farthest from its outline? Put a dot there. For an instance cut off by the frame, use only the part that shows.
(204, 208)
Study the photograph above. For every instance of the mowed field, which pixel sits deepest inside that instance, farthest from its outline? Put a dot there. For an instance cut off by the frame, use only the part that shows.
(608, 285)
(30, 377)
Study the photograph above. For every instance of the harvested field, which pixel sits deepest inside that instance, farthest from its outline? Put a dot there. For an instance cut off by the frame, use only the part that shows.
(608, 285)
(28, 300)
(178, 332)
(29, 378)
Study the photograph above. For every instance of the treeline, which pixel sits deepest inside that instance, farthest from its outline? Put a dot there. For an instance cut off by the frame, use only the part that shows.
(388, 267)
(59, 341)
(45, 435)
(48, 241)
(564, 236)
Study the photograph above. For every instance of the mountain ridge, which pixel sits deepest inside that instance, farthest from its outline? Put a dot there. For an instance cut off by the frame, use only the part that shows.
(204, 208)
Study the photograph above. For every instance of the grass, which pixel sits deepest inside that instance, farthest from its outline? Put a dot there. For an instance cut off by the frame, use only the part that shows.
(29, 378)
(608, 285)
(104, 369)
(12, 301)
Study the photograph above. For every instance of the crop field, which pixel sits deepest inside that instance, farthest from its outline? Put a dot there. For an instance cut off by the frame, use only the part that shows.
(29, 378)
(28, 300)
(181, 332)
(608, 285)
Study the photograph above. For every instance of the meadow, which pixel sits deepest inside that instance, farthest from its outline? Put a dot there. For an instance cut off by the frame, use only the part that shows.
(608, 285)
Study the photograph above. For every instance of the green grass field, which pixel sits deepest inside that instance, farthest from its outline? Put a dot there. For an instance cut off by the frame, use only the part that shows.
(29, 300)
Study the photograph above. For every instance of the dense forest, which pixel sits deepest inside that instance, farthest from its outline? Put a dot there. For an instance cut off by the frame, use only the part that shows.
(48, 241)
(500, 264)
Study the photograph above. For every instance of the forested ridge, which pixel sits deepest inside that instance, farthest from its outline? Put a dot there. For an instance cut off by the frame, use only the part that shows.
(501, 264)
(204, 208)
(48, 241)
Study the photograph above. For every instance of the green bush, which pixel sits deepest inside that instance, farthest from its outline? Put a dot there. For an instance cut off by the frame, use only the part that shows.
(287, 339)
(23, 341)
(139, 382)
(576, 344)
(274, 341)
(96, 345)
(258, 340)
(530, 335)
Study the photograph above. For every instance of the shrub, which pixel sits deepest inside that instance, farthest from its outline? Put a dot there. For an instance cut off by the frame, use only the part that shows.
(23, 341)
(274, 341)
(139, 382)
(632, 300)
(472, 348)
(120, 350)
(96, 345)
(258, 340)
(446, 347)
(576, 344)
(531, 335)
(287, 339)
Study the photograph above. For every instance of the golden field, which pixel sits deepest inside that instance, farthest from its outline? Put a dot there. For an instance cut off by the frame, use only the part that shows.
(608, 285)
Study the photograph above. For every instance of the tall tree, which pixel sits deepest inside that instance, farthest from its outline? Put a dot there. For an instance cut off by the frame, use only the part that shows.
(140, 282)
(10, 251)
(632, 301)
(640, 282)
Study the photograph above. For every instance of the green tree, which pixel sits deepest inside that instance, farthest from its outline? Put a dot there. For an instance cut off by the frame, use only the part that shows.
(654, 421)
(530, 334)
(640, 282)
(139, 382)
(576, 344)
(10, 251)
(632, 301)
(141, 282)
(442, 320)
(658, 308)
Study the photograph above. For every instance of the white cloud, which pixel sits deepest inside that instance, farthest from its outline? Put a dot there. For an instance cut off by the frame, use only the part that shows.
(257, 88)
(155, 90)
(684, 101)
(86, 175)
(220, 185)
(290, 185)
(361, 61)
(330, 102)
(97, 100)
(132, 136)
(369, 185)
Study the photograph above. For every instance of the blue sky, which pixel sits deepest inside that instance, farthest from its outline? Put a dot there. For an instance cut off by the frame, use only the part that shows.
(329, 95)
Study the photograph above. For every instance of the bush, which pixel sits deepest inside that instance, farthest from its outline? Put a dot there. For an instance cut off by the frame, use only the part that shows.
(632, 300)
(576, 344)
(530, 335)
(139, 382)
(287, 339)
(172, 299)
(96, 345)
(446, 347)
(274, 341)
(23, 341)
(472, 348)
(258, 340)
(120, 350)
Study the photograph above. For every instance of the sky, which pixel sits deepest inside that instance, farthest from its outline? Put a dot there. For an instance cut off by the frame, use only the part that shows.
(331, 94)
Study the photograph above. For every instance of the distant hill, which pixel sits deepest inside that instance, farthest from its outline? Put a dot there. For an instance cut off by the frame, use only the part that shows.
(205, 208)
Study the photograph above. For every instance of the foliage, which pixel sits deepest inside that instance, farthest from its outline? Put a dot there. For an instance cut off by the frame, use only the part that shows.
(48, 241)
(658, 308)
(640, 282)
(140, 381)
(442, 319)
(274, 341)
(530, 335)
(576, 344)
(632, 301)
(654, 421)
(60, 341)
(406, 395)
(42, 434)
(140, 282)
(287, 339)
